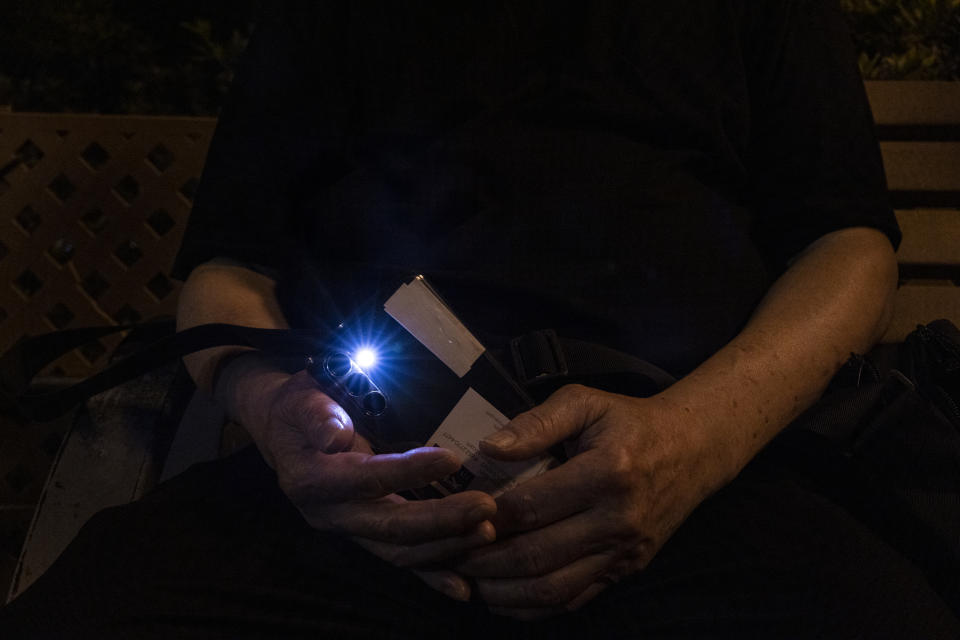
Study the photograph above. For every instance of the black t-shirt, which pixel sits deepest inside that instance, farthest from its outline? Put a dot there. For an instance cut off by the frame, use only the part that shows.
(636, 173)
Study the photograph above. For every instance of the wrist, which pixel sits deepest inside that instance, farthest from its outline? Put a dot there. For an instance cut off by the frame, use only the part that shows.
(743, 396)
(704, 434)
(246, 382)
(223, 363)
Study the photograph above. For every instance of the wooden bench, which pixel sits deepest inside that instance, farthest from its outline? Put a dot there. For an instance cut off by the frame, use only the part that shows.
(92, 210)
(919, 124)
(919, 128)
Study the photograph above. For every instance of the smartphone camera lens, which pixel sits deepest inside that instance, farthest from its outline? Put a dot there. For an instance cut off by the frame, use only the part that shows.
(338, 365)
(374, 403)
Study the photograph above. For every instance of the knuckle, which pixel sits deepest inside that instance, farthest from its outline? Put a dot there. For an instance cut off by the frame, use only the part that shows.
(580, 396)
(620, 470)
(287, 401)
(533, 423)
(531, 559)
(524, 509)
(383, 528)
(310, 414)
(374, 485)
(305, 413)
(585, 400)
(304, 406)
(574, 392)
(631, 526)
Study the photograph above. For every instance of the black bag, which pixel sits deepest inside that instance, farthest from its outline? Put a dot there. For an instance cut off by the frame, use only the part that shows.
(884, 443)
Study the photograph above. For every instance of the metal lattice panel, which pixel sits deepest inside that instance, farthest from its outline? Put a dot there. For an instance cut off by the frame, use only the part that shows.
(92, 211)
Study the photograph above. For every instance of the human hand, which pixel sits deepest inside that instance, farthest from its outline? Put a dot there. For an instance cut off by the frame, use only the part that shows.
(638, 468)
(338, 484)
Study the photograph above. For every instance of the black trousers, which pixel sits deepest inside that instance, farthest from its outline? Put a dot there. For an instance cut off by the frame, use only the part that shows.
(220, 552)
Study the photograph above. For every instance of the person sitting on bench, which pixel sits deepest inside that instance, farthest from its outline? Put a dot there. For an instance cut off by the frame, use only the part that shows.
(694, 183)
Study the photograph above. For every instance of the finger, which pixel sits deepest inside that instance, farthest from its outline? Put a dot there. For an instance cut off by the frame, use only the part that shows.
(563, 415)
(443, 580)
(447, 583)
(559, 493)
(361, 444)
(429, 553)
(315, 476)
(588, 594)
(539, 552)
(407, 522)
(555, 589)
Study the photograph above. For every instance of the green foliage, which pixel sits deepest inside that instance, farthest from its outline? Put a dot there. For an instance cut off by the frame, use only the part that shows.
(225, 53)
(113, 56)
(906, 39)
(179, 56)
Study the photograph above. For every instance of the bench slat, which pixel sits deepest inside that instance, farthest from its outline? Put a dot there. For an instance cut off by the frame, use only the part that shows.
(920, 304)
(922, 166)
(930, 236)
(914, 102)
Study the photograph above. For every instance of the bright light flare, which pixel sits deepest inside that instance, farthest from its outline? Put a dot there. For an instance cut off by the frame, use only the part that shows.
(365, 358)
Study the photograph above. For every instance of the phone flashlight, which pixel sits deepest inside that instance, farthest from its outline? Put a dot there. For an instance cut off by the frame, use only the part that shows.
(366, 358)
(348, 373)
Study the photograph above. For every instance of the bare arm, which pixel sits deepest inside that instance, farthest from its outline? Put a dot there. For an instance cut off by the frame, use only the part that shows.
(641, 465)
(230, 294)
(836, 298)
(233, 294)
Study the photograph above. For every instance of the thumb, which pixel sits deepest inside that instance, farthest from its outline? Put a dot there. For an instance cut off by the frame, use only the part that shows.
(328, 427)
(325, 425)
(562, 416)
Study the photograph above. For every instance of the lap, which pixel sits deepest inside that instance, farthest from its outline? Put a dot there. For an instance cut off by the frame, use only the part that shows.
(219, 551)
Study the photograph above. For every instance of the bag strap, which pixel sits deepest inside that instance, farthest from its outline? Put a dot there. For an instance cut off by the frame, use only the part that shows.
(31, 354)
(541, 357)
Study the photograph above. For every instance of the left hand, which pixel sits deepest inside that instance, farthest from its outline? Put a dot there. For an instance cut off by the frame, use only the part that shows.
(638, 468)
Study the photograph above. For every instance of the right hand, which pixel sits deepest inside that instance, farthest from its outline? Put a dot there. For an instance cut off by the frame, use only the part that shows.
(332, 476)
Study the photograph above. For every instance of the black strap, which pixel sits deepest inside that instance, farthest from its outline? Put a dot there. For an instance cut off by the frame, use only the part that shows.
(543, 357)
(31, 354)
(538, 357)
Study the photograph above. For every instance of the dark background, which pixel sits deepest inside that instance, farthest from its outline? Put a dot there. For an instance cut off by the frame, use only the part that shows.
(178, 57)
(174, 57)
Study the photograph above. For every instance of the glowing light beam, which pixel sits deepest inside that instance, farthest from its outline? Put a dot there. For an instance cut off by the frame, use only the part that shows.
(365, 358)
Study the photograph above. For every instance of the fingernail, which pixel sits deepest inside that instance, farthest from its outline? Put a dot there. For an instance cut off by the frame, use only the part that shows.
(456, 590)
(485, 533)
(501, 439)
(478, 514)
(331, 429)
(445, 464)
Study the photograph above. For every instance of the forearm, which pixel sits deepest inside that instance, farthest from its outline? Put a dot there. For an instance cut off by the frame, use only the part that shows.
(217, 293)
(835, 299)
